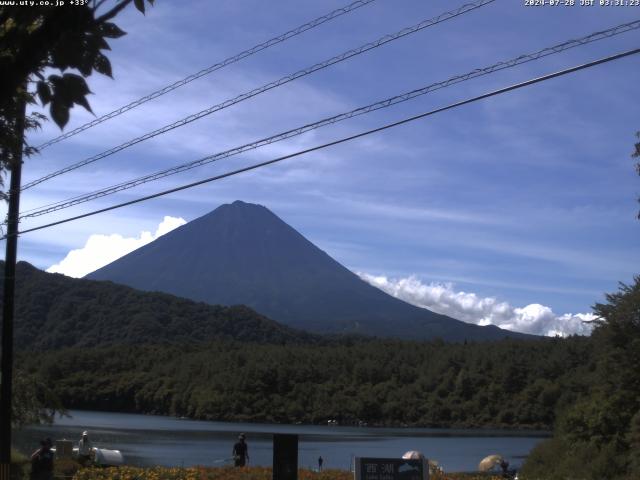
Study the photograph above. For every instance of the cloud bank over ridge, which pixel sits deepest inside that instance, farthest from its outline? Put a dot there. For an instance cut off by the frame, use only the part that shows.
(442, 298)
(100, 250)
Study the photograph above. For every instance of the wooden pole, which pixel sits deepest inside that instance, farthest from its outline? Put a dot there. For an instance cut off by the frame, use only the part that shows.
(9, 295)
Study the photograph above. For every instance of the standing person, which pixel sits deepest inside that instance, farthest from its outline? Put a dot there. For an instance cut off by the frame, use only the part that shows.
(84, 449)
(320, 462)
(42, 461)
(504, 465)
(240, 452)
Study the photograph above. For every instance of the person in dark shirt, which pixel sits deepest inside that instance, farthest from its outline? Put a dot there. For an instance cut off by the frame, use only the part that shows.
(504, 465)
(320, 462)
(240, 452)
(42, 461)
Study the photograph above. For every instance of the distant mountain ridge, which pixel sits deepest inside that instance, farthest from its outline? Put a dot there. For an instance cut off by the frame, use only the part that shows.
(242, 253)
(53, 311)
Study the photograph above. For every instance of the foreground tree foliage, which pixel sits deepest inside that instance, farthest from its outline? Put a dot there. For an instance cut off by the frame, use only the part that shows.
(66, 42)
(599, 436)
(34, 401)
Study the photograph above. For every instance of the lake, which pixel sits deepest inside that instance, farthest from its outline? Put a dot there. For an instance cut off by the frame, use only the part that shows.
(156, 440)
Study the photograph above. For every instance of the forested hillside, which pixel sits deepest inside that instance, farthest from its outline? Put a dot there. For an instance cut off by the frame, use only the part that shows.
(508, 383)
(54, 311)
(98, 345)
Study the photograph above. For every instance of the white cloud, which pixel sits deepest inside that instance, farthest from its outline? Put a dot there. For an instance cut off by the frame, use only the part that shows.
(100, 250)
(469, 307)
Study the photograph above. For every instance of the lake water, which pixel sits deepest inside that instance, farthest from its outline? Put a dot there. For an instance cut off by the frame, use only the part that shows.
(155, 440)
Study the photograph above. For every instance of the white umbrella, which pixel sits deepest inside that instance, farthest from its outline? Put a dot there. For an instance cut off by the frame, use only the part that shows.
(413, 455)
(489, 462)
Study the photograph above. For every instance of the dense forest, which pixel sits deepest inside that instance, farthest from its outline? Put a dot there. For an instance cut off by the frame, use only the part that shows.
(510, 383)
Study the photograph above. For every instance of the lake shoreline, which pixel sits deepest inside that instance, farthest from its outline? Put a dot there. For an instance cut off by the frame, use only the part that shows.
(503, 428)
(151, 440)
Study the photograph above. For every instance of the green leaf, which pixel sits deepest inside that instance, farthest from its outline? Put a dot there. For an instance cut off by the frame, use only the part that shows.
(101, 64)
(59, 113)
(74, 89)
(139, 5)
(76, 84)
(85, 65)
(84, 102)
(102, 44)
(44, 92)
(96, 42)
(67, 52)
(69, 89)
(55, 80)
(111, 30)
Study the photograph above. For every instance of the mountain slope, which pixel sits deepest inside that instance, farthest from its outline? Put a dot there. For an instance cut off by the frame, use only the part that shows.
(244, 254)
(54, 311)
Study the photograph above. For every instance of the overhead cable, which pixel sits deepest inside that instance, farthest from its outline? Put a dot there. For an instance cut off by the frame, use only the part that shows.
(341, 140)
(226, 62)
(42, 210)
(257, 91)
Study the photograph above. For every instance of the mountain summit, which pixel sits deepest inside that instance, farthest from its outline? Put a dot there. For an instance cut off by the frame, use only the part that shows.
(242, 253)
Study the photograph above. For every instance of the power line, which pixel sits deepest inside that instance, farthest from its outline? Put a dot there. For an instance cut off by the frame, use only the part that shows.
(331, 120)
(343, 140)
(228, 61)
(257, 91)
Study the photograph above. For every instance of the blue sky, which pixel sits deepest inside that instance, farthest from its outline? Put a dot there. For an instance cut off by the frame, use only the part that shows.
(526, 198)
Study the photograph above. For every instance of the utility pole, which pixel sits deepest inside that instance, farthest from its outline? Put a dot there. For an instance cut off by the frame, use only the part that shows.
(9, 293)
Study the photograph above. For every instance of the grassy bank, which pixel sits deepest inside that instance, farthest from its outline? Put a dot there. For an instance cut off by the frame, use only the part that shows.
(229, 473)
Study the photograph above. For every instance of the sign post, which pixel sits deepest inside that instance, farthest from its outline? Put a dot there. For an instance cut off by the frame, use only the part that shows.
(391, 469)
(285, 456)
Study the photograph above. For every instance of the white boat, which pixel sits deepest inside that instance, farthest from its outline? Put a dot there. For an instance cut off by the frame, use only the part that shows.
(107, 458)
(102, 457)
